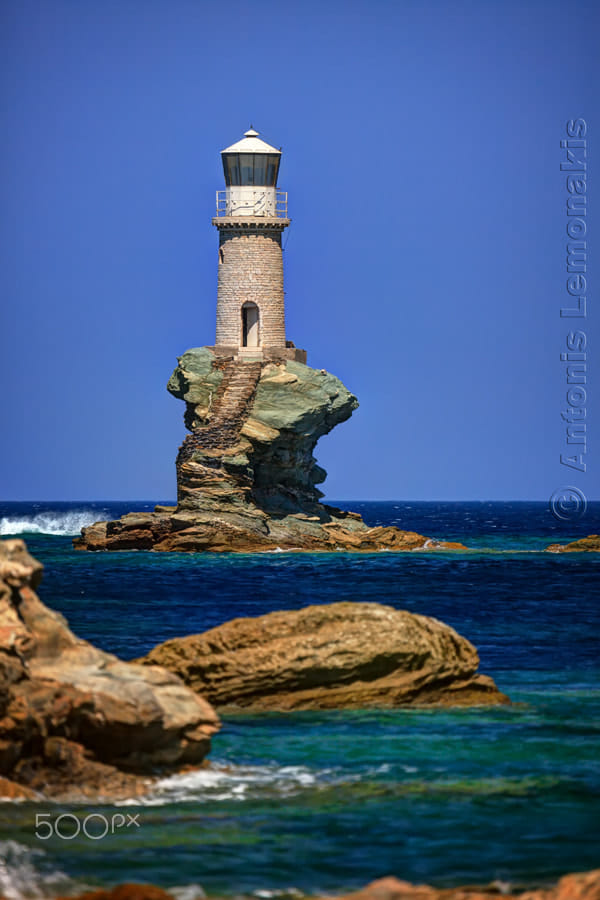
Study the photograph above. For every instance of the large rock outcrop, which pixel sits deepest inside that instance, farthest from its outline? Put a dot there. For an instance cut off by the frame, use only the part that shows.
(246, 475)
(78, 722)
(343, 655)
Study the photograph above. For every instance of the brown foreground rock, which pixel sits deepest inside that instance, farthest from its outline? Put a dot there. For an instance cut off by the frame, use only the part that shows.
(343, 655)
(579, 886)
(246, 474)
(590, 544)
(76, 722)
(124, 892)
(10, 790)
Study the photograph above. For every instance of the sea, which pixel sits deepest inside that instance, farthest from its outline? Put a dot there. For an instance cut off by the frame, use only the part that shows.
(323, 802)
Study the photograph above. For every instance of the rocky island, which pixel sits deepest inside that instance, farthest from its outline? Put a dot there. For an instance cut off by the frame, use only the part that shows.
(246, 474)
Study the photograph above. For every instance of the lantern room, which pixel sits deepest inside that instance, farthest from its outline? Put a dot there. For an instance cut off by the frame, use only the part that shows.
(251, 167)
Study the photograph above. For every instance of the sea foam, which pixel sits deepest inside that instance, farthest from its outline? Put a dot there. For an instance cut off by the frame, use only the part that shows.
(52, 522)
(230, 782)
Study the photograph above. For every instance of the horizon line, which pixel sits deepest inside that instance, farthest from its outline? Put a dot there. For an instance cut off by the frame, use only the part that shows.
(325, 502)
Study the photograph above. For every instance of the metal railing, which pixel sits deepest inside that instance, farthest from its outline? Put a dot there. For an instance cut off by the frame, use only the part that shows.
(281, 204)
(254, 203)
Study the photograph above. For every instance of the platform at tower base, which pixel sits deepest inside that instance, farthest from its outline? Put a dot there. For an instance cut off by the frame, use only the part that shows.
(266, 354)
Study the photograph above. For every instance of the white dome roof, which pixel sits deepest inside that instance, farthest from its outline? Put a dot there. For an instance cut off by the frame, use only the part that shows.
(251, 143)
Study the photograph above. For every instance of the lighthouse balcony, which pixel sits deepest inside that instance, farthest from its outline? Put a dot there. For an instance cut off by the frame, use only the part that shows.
(252, 201)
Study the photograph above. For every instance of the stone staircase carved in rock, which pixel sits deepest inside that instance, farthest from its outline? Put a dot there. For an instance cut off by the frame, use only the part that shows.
(229, 410)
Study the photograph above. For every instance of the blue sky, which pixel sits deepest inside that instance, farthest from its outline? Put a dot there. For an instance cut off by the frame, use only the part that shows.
(425, 263)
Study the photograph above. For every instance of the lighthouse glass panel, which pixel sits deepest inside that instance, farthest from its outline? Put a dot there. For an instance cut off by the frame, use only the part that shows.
(259, 169)
(247, 168)
(231, 167)
(272, 170)
(260, 161)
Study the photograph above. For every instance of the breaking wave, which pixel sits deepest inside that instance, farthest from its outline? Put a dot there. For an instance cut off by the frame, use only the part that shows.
(54, 523)
(227, 782)
(231, 782)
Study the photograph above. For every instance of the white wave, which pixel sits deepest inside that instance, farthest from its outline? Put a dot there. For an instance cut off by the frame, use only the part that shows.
(227, 782)
(25, 873)
(54, 523)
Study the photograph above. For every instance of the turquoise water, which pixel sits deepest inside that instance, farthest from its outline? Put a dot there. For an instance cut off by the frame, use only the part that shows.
(329, 801)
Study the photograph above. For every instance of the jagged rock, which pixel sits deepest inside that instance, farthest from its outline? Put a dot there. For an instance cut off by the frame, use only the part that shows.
(74, 719)
(246, 475)
(328, 657)
(589, 544)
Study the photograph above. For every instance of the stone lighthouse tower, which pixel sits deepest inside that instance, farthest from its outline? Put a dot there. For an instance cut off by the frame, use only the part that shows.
(251, 217)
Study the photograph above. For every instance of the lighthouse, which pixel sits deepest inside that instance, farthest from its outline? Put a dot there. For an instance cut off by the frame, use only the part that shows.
(251, 217)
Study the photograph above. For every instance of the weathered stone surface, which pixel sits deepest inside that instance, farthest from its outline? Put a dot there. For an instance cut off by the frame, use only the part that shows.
(75, 719)
(327, 657)
(246, 475)
(589, 544)
(250, 267)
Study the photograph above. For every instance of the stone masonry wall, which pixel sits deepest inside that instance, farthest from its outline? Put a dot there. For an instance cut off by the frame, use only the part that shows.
(250, 269)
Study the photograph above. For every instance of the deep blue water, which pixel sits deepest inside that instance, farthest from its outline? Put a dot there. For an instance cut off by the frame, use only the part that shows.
(327, 801)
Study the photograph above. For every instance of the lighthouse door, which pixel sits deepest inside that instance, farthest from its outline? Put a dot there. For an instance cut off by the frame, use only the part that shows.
(250, 325)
